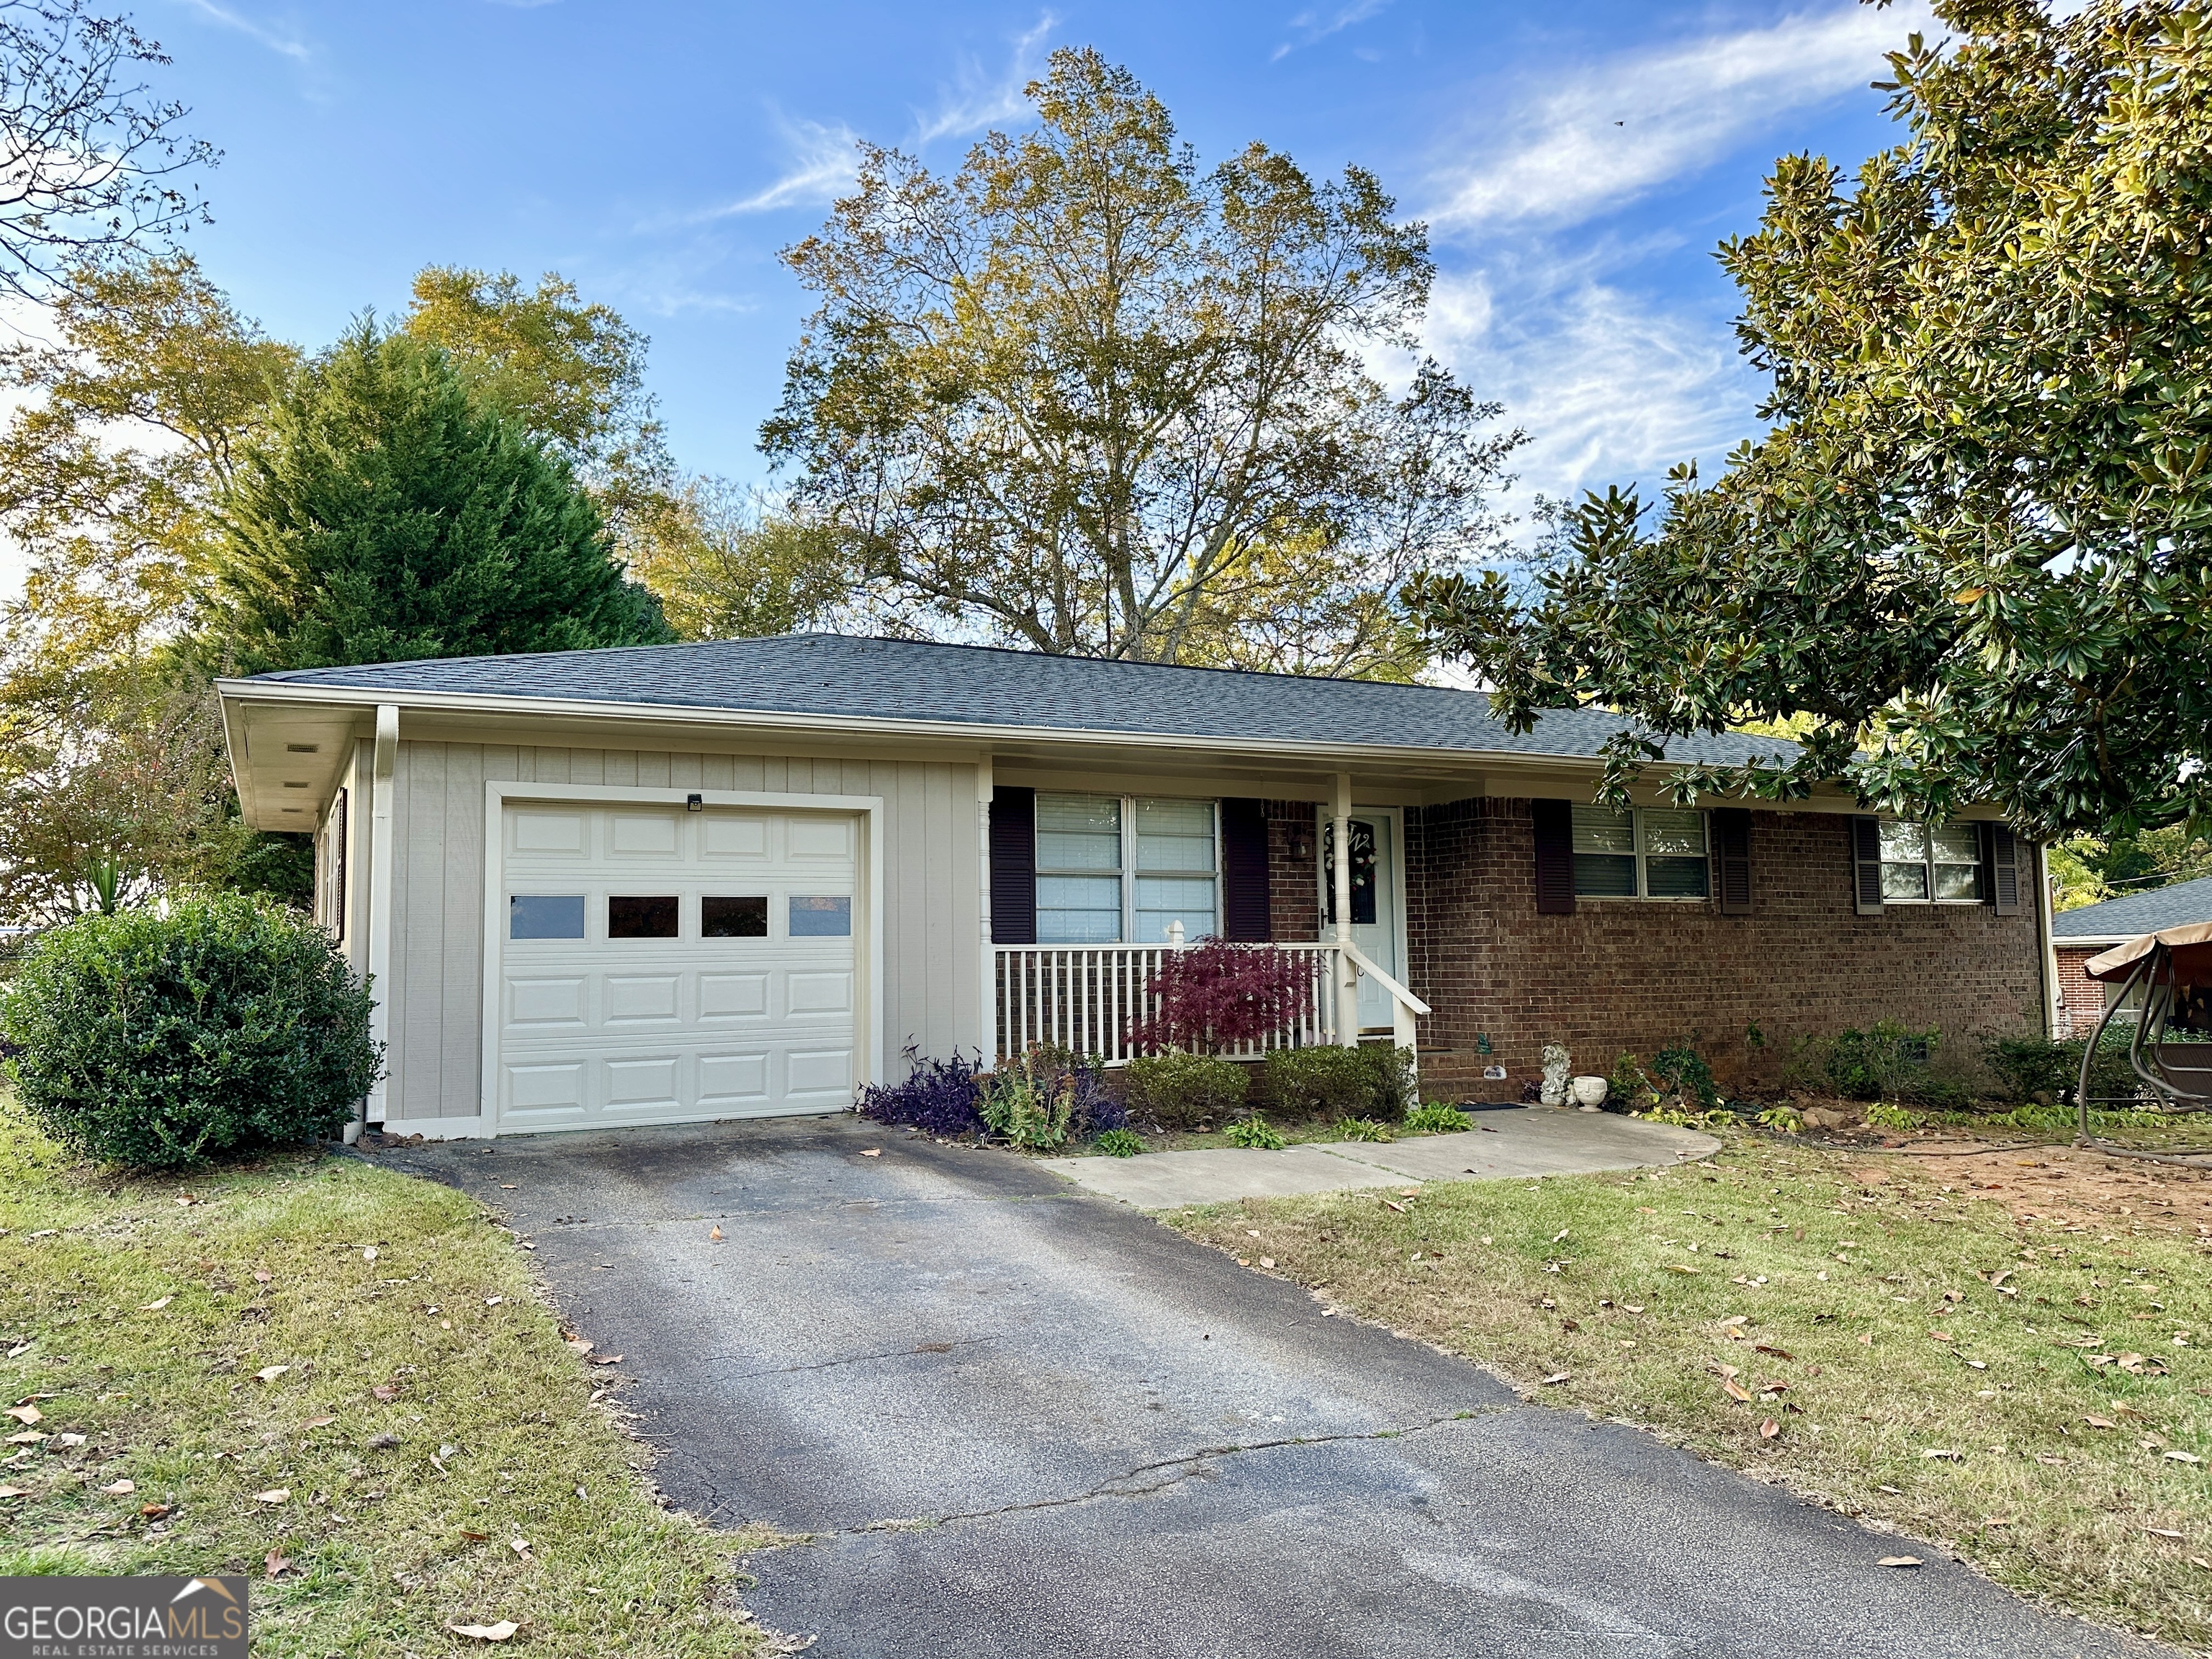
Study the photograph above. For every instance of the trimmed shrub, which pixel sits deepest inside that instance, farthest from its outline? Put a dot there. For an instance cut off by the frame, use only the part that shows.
(1370, 1081)
(1179, 1090)
(939, 1096)
(1891, 1061)
(2031, 1070)
(1682, 1070)
(157, 1040)
(1120, 1142)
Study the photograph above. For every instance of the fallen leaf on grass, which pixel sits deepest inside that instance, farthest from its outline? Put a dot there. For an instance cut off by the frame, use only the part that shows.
(498, 1633)
(28, 1437)
(71, 1439)
(269, 1373)
(368, 1254)
(1735, 1391)
(385, 1391)
(1899, 1561)
(1945, 1454)
(1779, 1353)
(2183, 1457)
(120, 1488)
(156, 1304)
(15, 1492)
(520, 1546)
(476, 1537)
(1769, 1429)
(152, 1511)
(2161, 1532)
(2099, 1422)
(1559, 1235)
(1391, 1204)
(1939, 1336)
(1677, 1268)
(319, 1422)
(1563, 1376)
(1266, 1262)
(261, 1276)
(274, 1495)
(276, 1563)
(25, 1414)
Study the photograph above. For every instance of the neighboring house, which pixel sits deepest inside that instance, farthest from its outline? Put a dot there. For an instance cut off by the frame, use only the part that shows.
(718, 880)
(2077, 935)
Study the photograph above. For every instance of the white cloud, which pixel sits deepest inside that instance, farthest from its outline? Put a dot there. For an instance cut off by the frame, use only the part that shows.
(1319, 22)
(1609, 388)
(823, 167)
(974, 101)
(1605, 136)
(283, 43)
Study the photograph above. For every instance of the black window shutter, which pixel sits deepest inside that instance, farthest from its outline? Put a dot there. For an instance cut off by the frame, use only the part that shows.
(2004, 852)
(1245, 916)
(1013, 866)
(1732, 859)
(1555, 856)
(1866, 865)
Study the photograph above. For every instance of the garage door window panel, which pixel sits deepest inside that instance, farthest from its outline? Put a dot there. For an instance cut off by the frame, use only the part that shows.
(741, 916)
(545, 916)
(631, 915)
(821, 916)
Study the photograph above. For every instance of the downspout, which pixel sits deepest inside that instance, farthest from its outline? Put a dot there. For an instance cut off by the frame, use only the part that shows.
(2054, 998)
(379, 906)
(1347, 973)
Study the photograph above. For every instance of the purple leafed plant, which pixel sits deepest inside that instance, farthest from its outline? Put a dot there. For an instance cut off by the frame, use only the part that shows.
(939, 1096)
(1217, 995)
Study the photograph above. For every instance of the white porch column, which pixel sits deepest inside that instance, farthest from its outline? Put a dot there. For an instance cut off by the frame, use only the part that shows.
(987, 1033)
(379, 894)
(1348, 976)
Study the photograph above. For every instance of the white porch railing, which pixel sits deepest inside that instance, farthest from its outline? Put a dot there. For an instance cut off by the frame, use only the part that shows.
(1085, 998)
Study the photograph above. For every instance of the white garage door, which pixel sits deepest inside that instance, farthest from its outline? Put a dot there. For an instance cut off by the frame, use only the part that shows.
(662, 965)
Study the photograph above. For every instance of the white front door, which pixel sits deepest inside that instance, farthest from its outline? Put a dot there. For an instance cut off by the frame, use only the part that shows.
(660, 965)
(1375, 896)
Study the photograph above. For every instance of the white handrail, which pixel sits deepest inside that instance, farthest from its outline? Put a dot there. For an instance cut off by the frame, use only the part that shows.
(1397, 991)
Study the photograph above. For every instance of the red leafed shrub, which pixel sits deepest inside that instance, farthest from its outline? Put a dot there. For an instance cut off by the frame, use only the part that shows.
(1217, 995)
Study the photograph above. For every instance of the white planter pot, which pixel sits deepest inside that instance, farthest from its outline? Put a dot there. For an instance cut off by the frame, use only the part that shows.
(1590, 1092)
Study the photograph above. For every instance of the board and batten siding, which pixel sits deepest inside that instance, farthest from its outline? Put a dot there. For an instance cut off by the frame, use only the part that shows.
(933, 924)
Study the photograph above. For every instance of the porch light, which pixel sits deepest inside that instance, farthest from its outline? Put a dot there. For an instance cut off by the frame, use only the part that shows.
(695, 803)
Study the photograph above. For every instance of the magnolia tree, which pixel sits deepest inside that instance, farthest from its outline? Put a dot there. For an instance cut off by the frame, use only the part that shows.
(1217, 995)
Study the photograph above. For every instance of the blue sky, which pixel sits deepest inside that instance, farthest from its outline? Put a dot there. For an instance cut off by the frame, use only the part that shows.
(1577, 160)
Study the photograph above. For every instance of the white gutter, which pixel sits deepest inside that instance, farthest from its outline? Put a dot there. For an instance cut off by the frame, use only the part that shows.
(1305, 750)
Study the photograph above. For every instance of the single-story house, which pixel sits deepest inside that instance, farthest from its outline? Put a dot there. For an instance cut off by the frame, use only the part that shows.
(707, 881)
(2077, 935)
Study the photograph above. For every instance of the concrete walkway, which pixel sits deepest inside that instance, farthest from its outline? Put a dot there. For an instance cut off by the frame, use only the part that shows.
(1532, 1141)
(1015, 1420)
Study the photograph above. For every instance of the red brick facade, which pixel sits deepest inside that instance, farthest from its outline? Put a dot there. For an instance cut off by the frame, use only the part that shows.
(2085, 997)
(1638, 974)
(1293, 880)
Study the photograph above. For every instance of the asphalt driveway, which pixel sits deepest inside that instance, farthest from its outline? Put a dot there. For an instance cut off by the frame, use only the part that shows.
(1017, 1419)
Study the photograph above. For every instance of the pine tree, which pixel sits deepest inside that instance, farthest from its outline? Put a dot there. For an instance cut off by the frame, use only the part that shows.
(388, 515)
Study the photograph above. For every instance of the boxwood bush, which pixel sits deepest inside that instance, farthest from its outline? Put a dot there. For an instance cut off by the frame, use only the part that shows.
(157, 1039)
(1179, 1090)
(1369, 1081)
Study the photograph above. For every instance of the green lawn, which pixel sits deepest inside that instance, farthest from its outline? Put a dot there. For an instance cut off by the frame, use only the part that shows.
(2033, 1393)
(317, 1361)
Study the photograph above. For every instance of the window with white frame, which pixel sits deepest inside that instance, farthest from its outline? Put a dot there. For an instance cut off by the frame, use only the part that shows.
(1929, 861)
(1644, 852)
(1115, 867)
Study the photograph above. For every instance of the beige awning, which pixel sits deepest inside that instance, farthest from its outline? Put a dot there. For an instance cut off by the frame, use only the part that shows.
(2191, 946)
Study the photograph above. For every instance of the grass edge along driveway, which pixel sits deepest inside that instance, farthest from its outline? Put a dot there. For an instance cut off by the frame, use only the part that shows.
(2034, 1399)
(339, 1380)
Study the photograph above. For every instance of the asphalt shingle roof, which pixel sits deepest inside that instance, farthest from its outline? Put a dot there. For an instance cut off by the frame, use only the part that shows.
(2138, 914)
(835, 675)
